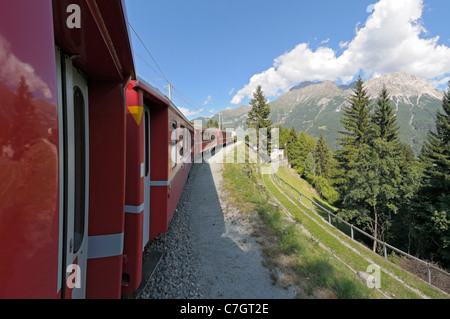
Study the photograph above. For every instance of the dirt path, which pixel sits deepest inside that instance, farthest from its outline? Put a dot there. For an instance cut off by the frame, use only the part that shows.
(229, 258)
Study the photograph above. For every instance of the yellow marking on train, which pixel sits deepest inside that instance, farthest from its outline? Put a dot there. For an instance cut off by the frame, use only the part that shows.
(136, 112)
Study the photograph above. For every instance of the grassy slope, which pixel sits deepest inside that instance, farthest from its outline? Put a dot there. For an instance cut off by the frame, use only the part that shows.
(322, 258)
(315, 269)
(351, 252)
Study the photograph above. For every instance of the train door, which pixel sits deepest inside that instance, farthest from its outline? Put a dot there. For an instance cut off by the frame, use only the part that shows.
(146, 148)
(74, 177)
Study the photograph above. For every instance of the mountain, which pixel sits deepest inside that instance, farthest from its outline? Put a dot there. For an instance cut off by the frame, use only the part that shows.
(231, 118)
(316, 107)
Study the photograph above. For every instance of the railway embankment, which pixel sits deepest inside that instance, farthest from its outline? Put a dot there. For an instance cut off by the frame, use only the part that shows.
(210, 250)
(237, 234)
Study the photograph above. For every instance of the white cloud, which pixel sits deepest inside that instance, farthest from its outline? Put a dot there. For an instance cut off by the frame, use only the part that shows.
(391, 40)
(208, 100)
(370, 8)
(187, 112)
(231, 91)
(343, 44)
(12, 70)
(437, 83)
(325, 41)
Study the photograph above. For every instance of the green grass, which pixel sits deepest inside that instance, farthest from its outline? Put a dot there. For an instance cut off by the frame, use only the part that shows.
(290, 176)
(320, 265)
(356, 256)
(317, 267)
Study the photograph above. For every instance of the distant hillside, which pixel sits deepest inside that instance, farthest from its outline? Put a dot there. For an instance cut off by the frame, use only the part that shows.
(315, 107)
(231, 118)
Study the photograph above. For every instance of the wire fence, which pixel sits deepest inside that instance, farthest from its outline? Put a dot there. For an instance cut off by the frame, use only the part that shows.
(384, 245)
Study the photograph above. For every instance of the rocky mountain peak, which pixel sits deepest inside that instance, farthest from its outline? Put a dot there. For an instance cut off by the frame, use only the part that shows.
(402, 85)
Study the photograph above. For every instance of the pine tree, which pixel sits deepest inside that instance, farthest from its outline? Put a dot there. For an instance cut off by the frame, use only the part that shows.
(384, 121)
(402, 233)
(258, 116)
(433, 213)
(356, 119)
(323, 158)
(292, 149)
(24, 118)
(373, 194)
(371, 175)
(310, 167)
(356, 131)
(306, 144)
(284, 136)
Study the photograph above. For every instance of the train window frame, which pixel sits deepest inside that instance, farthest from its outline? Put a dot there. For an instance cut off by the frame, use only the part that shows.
(80, 169)
(174, 144)
(182, 139)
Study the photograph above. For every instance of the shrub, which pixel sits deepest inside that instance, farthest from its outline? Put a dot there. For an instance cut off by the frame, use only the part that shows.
(322, 185)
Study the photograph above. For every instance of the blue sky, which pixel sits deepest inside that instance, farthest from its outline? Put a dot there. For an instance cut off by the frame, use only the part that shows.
(215, 52)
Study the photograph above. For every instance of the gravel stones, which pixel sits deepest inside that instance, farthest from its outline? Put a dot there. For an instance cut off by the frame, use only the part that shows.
(176, 275)
(209, 250)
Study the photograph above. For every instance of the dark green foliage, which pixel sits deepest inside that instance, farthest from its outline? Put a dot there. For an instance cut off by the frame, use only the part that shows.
(323, 158)
(258, 117)
(26, 113)
(356, 120)
(298, 146)
(373, 195)
(384, 121)
(382, 186)
(356, 132)
(292, 147)
(432, 214)
(313, 160)
(324, 188)
(379, 181)
(310, 166)
(284, 136)
(306, 146)
(211, 123)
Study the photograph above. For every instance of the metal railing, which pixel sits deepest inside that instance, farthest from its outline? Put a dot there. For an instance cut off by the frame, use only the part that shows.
(353, 228)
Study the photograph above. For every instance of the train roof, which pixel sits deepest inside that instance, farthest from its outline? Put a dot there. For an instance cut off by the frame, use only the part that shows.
(101, 48)
(155, 93)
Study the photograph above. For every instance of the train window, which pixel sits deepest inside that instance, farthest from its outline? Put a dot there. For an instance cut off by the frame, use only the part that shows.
(183, 143)
(80, 167)
(174, 144)
(181, 136)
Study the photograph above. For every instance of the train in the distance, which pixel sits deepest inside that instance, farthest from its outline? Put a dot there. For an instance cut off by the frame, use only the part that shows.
(93, 160)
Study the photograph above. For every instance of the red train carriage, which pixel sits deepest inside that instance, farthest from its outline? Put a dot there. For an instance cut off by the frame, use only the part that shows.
(159, 158)
(92, 164)
(64, 68)
(209, 140)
